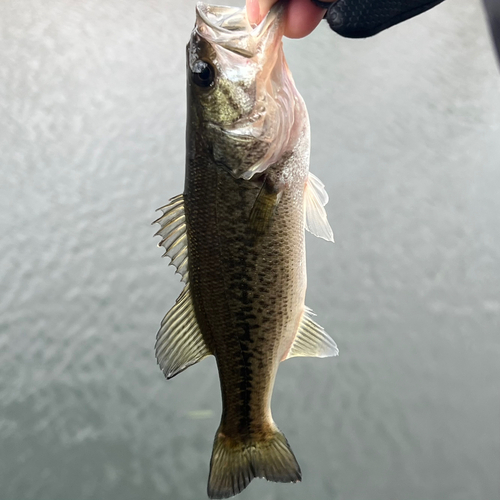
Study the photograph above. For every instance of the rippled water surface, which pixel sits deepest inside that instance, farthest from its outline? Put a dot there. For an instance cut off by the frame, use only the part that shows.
(406, 137)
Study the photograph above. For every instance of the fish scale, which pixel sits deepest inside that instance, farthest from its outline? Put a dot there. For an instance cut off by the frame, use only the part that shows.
(225, 274)
(236, 236)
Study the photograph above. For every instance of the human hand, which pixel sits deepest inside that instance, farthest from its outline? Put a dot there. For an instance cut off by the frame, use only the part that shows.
(302, 16)
(349, 18)
(364, 18)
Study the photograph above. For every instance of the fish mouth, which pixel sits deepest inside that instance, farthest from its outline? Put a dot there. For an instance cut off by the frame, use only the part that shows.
(259, 137)
(223, 18)
(229, 27)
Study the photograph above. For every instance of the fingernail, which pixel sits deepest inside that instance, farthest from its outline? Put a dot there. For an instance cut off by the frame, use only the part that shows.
(253, 11)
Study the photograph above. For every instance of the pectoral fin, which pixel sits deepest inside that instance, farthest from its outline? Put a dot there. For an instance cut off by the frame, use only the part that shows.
(312, 340)
(263, 209)
(316, 198)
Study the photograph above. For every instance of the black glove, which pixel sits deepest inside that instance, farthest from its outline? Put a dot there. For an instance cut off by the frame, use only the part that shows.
(493, 10)
(364, 18)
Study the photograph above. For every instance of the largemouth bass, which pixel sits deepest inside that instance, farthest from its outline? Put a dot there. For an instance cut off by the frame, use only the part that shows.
(236, 236)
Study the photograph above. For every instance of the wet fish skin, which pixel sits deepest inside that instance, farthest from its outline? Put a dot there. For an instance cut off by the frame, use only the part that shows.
(236, 236)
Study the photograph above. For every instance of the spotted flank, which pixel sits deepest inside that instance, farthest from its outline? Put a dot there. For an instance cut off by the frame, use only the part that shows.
(236, 236)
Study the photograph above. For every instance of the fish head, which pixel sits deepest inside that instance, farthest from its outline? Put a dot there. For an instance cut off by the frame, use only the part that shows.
(241, 95)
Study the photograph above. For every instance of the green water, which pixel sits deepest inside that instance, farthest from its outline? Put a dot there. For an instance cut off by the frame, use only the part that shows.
(406, 137)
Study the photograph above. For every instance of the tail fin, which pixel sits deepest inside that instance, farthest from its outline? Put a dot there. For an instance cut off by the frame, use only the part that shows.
(234, 465)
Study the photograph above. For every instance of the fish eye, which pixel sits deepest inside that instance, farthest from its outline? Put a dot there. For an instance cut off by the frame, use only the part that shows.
(203, 74)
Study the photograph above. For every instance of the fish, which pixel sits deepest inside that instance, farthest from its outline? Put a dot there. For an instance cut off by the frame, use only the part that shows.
(236, 235)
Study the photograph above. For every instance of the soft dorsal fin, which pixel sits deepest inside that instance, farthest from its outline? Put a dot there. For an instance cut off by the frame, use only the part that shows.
(315, 200)
(312, 340)
(179, 343)
(173, 233)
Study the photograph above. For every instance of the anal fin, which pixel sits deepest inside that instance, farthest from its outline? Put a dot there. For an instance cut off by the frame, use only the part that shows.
(312, 340)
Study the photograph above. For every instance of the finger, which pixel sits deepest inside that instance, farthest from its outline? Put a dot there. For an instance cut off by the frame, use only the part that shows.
(257, 9)
(302, 17)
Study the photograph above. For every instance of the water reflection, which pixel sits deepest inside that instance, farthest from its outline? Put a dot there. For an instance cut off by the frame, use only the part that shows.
(405, 137)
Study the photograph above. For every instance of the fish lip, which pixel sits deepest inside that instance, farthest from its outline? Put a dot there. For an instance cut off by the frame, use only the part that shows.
(217, 16)
(229, 26)
(212, 16)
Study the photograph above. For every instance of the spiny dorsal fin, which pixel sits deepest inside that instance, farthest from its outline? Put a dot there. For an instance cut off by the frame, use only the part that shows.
(179, 343)
(173, 233)
(315, 200)
(312, 340)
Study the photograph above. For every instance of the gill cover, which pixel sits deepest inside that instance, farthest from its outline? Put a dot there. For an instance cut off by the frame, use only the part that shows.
(251, 111)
